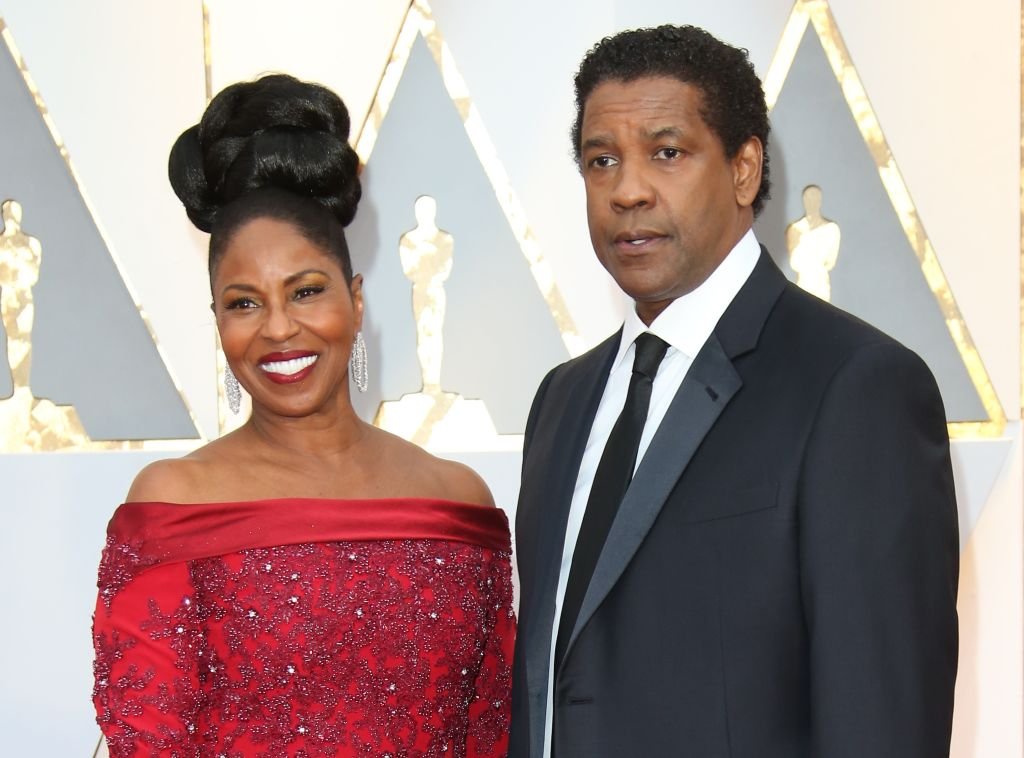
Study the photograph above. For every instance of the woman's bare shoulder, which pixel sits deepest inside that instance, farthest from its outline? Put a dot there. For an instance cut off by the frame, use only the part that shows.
(182, 480)
(172, 480)
(437, 477)
(465, 484)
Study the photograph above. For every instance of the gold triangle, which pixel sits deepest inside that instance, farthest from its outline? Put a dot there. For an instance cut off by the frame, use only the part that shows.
(419, 21)
(57, 427)
(818, 14)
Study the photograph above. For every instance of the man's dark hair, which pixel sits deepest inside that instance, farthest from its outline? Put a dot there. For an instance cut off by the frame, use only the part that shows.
(733, 100)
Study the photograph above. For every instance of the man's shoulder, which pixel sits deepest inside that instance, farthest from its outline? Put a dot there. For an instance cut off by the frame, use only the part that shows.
(596, 359)
(570, 378)
(807, 322)
(814, 343)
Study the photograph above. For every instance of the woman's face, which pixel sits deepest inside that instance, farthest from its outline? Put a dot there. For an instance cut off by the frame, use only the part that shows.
(286, 316)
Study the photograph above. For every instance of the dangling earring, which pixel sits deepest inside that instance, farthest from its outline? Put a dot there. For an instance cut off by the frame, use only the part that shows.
(232, 390)
(357, 363)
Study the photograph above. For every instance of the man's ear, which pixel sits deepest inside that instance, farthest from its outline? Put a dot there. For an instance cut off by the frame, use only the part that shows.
(746, 171)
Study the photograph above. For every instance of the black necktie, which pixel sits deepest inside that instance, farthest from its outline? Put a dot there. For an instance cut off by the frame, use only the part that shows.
(611, 480)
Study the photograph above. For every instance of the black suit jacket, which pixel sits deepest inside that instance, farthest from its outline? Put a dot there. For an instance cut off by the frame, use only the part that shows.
(780, 580)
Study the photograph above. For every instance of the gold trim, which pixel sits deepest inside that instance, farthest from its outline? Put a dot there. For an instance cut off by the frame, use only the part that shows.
(818, 14)
(419, 20)
(44, 112)
(207, 57)
(226, 421)
(782, 61)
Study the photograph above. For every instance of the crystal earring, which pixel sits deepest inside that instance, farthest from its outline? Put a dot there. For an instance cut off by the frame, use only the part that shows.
(357, 363)
(232, 390)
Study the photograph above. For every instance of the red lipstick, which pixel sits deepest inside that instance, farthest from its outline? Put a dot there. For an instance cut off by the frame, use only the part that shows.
(288, 366)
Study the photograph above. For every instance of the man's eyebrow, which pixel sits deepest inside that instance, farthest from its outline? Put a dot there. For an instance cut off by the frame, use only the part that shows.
(595, 142)
(666, 131)
(653, 135)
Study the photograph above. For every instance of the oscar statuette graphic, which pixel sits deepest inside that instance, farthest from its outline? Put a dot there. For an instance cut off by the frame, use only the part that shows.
(431, 416)
(426, 254)
(27, 423)
(813, 244)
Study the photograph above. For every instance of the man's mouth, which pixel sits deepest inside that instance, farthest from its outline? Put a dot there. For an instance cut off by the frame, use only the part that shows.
(637, 240)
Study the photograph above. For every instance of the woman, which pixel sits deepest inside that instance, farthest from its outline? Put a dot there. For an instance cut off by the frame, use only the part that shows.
(308, 584)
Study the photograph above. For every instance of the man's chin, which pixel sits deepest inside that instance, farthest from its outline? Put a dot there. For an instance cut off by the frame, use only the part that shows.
(650, 307)
(648, 292)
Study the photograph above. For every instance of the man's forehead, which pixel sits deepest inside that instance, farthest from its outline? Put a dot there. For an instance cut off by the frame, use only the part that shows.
(645, 82)
(644, 101)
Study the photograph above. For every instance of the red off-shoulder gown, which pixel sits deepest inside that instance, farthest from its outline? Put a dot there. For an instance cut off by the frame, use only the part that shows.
(305, 628)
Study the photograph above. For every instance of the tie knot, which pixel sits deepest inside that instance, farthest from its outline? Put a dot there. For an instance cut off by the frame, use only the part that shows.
(650, 349)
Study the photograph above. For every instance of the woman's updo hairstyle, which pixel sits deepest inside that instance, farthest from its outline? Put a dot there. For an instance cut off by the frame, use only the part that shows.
(276, 147)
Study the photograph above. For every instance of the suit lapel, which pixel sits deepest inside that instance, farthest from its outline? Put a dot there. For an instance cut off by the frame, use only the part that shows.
(710, 384)
(708, 387)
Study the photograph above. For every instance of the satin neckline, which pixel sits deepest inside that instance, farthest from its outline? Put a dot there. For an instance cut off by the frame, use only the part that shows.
(343, 500)
(165, 532)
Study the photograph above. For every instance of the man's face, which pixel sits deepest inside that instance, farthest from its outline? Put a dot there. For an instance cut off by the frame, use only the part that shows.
(664, 203)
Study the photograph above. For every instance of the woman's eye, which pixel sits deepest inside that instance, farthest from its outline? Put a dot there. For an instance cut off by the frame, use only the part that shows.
(240, 303)
(308, 291)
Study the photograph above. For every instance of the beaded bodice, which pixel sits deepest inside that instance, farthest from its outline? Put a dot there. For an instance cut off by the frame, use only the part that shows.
(397, 647)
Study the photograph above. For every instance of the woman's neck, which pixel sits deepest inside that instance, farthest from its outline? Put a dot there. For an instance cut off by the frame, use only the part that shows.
(326, 434)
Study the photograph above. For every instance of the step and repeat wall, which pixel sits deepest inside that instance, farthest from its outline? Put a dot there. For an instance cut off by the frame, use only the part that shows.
(897, 178)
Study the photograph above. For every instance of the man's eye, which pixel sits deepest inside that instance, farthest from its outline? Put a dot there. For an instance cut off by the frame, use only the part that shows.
(240, 303)
(603, 161)
(308, 291)
(668, 153)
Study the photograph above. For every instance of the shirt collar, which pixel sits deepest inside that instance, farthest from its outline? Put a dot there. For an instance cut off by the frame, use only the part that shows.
(688, 321)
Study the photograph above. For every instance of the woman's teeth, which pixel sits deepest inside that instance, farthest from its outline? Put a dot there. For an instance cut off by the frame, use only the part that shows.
(289, 367)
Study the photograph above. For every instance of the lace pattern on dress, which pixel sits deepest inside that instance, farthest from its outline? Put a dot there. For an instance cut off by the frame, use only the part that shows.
(119, 564)
(387, 648)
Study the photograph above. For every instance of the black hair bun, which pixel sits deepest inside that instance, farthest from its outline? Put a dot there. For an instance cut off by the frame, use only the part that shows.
(275, 132)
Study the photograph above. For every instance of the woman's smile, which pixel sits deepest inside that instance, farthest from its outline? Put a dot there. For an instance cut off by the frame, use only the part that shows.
(288, 367)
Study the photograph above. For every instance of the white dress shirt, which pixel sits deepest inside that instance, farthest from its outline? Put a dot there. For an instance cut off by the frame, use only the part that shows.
(685, 325)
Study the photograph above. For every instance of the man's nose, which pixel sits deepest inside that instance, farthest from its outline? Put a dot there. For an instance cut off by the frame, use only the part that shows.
(632, 188)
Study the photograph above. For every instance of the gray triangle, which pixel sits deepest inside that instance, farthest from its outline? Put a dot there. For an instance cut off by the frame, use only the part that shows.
(91, 348)
(877, 277)
(977, 465)
(499, 336)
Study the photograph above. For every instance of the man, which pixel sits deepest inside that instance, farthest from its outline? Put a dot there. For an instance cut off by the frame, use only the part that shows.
(779, 578)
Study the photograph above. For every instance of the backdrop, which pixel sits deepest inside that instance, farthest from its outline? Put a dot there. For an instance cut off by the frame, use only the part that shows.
(908, 116)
